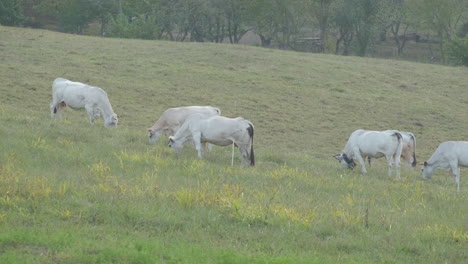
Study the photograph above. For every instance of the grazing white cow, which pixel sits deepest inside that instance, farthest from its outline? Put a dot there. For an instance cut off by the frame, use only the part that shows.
(374, 144)
(448, 155)
(173, 118)
(408, 153)
(78, 95)
(217, 130)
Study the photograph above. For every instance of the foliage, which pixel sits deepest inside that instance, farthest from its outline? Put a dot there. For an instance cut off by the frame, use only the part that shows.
(306, 25)
(73, 15)
(262, 15)
(366, 13)
(343, 20)
(458, 51)
(443, 18)
(105, 10)
(11, 13)
(139, 27)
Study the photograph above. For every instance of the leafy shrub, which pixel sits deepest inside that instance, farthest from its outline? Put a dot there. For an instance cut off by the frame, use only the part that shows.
(138, 27)
(11, 13)
(457, 50)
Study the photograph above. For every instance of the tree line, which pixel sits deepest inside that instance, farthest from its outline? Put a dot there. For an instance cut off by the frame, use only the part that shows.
(346, 27)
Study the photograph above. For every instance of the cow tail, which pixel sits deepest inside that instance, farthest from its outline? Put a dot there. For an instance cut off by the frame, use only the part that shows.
(250, 129)
(414, 151)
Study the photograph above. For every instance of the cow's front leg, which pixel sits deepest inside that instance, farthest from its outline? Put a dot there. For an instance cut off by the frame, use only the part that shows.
(456, 173)
(56, 109)
(361, 161)
(90, 111)
(53, 110)
(198, 145)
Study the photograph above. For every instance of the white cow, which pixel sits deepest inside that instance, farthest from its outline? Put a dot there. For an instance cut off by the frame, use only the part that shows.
(448, 155)
(78, 95)
(408, 153)
(173, 118)
(217, 130)
(374, 144)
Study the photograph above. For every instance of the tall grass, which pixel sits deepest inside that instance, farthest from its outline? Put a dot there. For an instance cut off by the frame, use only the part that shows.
(75, 193)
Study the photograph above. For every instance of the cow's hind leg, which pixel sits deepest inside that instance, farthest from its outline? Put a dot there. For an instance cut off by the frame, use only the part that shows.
(207, 147)
(244, 150)
(390, 165)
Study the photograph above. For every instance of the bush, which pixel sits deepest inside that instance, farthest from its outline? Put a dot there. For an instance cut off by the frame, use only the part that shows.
(139, 27)
(457, 50)
(11, 13)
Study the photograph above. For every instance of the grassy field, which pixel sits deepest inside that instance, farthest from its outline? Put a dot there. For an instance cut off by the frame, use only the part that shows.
(75, 193)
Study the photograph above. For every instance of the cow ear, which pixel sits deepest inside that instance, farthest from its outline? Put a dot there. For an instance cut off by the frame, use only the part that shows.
(425, 163)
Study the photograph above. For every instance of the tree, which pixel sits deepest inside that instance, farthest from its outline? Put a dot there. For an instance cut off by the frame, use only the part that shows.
(321, 12)
(105, 9)
(280, 21)
(262, 16)
(365, 14)
(135, 19)
(343, 20)
(398, 13)
(457, 50)
(73, 15)
(291, 19)
(182, 19)
(11, 13)
(235, 12)
(443, 18)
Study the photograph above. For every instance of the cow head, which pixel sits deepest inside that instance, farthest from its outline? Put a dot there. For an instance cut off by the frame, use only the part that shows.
(345, 161)
(175, 145)
(153, 136)
(111, 121)
(427, 170)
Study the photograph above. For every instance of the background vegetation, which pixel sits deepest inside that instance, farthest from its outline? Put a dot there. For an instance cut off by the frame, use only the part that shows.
(381, 28)
(75, 193)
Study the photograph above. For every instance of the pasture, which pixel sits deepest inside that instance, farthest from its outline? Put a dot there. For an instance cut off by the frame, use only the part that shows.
(75, 193)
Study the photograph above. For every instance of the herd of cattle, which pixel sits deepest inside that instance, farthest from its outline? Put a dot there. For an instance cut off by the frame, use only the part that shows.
(204, 125)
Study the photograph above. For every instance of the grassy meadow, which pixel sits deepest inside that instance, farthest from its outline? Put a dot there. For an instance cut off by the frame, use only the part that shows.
(75, 193)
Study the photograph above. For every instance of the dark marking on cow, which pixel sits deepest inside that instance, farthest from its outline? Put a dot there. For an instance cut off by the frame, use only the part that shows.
(350, 162)
(414, 160)
(250, 129)
(398, 135)
(170, 141)
(414, 151)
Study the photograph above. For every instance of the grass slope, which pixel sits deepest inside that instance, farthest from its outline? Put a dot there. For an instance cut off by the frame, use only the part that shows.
(73, 193)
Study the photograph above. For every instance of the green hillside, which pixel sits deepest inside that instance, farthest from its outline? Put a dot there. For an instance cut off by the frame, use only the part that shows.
(75, 193)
